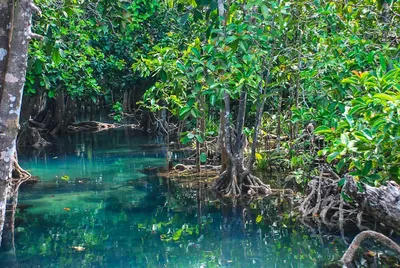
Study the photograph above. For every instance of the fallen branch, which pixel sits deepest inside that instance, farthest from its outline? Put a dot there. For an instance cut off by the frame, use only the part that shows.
(381, 203)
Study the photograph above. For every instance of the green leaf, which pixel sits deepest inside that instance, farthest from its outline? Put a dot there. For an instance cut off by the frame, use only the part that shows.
(230, 39)
(177, 235)
(38, 67)
(360, 136)
(350, 80)
(322, 130)
(368, 134)
(384, 96)
(259, 218)
(360, 187)
(344, 138)
(332, 156)
(210, 80)
(51, 94)
(203, 157)
(193, 3)
(340, 165)
(356, 109)
(264, 11)
(341, 182)
(185, 140)
(163, 76)
(184, 112)
(367, 167)
(234, 45)
(346, 198)
(180, 66)
(212, 100)
(199, 138)
(196, 52)
(195, 113)
(382, 61)
(56, 57)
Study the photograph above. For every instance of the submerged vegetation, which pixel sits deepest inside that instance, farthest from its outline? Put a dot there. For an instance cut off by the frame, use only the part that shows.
(234, 92)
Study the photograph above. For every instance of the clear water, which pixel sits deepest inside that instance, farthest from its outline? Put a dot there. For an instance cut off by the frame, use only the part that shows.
(95, 208)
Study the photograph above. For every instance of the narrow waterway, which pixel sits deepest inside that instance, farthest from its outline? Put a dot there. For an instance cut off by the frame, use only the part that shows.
(96, 205)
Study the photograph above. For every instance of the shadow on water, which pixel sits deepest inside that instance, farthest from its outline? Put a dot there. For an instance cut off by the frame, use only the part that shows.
(93, 207)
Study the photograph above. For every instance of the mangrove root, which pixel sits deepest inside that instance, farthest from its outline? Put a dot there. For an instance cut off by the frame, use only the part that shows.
(91, 126)
(233, 184)
(350, 254)
(324, 202)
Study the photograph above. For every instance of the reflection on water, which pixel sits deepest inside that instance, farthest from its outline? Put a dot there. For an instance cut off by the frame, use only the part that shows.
(95, 207)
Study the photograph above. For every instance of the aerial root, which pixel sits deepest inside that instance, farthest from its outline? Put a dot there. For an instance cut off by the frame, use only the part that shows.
(325, 204)
(360, 218)
(19, 173)
(232, 184)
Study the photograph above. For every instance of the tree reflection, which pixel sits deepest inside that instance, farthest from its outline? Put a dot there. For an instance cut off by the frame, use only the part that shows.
(8, 206)
(169, 225)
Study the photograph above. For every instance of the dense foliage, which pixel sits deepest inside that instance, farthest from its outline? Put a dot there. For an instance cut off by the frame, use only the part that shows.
(304, 53)
(334, 65)
(88, 48)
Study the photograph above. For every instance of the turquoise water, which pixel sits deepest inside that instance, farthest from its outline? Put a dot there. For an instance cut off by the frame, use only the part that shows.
(95, 207)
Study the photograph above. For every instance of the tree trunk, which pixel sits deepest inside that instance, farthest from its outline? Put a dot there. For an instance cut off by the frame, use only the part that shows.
(221, 142)
(4, 190)
(278, 128)
(236, 179)
(16, 27)
(381, 203)
(125, 101)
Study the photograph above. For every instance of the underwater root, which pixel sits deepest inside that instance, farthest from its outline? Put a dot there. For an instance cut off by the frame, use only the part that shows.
(350, 254)
(233, 184)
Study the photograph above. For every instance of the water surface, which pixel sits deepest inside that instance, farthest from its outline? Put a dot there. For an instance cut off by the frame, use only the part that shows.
(95, 206)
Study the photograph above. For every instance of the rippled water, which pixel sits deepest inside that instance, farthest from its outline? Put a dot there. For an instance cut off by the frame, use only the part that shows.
(95, 207)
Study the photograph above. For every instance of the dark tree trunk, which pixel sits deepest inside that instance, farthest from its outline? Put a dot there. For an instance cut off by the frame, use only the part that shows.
(53, 118)
(125, 102)
(381, 203)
